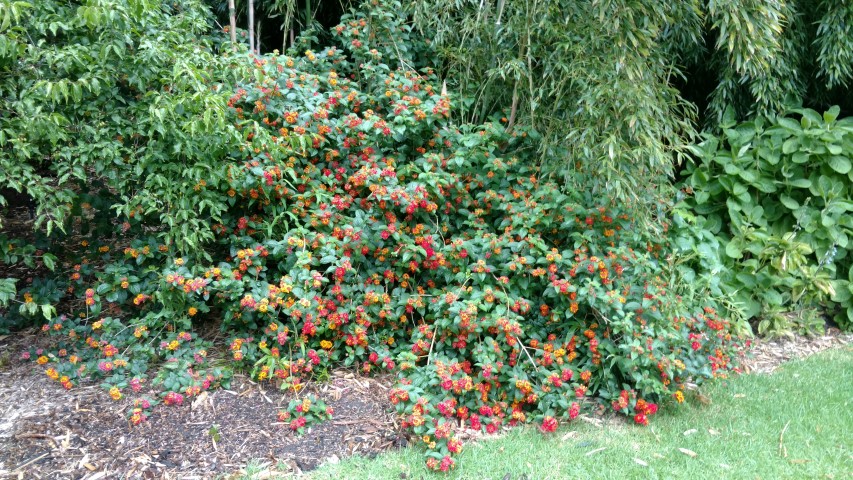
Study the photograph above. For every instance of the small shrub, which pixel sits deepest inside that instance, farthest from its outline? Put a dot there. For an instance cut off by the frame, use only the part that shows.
(305, 412)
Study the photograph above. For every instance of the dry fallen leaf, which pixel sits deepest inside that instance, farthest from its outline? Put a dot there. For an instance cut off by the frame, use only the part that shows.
(572, 434)
(713, 432)
(90, 467)
(689, 453)
(200, 400)
(799, 461)
(690, 432)
(740, 395)
(592, 452)
(640, 462)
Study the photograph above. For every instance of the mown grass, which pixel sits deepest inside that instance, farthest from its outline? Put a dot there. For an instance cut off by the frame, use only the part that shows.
(739, 435)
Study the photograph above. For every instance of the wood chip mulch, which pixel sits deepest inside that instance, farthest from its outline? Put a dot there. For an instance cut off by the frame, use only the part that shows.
(47, 432)
(766, 355)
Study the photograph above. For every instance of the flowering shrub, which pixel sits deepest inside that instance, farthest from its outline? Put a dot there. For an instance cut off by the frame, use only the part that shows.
(361, 227)
(302, 413)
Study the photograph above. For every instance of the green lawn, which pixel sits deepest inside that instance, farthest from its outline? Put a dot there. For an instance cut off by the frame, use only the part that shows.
(736, 436)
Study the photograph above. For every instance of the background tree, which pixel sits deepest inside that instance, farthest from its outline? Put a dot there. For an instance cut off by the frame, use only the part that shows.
(605, 81)
(101, 108)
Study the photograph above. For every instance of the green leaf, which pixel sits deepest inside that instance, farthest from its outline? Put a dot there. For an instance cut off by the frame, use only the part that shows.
(789, 202)
(800, 157)
(734, 249)
(748, 175)
(48, 311)
(49, 261)
(772, 297)
(790, 146)
(840, 164)
(790, 124)
(830, 115)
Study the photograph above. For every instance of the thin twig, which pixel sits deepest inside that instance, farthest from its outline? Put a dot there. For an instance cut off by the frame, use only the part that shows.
(19, 467)
(429, 355)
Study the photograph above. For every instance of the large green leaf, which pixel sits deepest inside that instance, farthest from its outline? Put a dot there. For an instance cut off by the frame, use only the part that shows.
(840, 164)
(734, 249)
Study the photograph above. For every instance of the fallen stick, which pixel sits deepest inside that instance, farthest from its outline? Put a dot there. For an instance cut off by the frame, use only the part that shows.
(593, 452)
(19, 467)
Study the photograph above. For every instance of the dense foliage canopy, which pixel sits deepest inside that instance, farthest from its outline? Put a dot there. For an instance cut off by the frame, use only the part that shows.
(476, 197)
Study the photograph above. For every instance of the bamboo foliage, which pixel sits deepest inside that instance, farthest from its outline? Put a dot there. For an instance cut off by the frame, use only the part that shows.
(835, 42)
(590, 76)
(597, 77)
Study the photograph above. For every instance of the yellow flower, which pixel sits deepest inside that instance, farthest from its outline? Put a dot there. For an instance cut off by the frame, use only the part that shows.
(192, 311)
(115, 393)
(41, 360)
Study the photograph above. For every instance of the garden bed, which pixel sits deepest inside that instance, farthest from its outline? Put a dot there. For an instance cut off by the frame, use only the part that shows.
(46, 432)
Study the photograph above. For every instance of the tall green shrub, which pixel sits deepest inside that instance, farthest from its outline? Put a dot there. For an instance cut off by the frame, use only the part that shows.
(776, 192)
(117, 105)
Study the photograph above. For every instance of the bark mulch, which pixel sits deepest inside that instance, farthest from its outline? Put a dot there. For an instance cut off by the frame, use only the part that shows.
(766, 355)
(47, 432)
